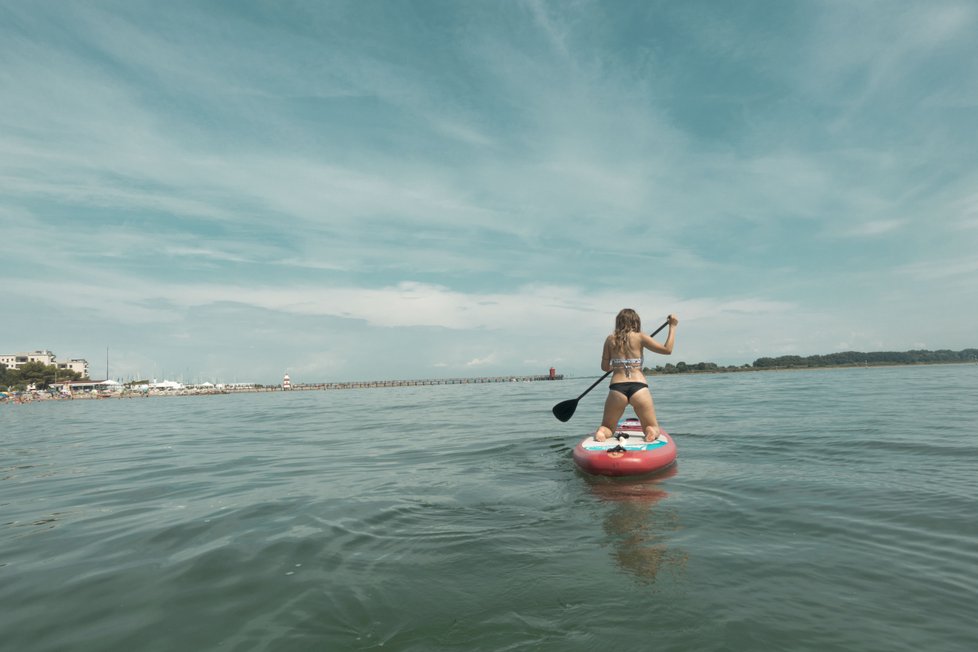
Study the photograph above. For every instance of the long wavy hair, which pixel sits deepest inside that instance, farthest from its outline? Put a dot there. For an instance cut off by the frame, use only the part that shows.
(626, 322)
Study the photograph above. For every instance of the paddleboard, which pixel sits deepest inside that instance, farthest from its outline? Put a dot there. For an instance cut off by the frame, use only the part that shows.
(627, 453)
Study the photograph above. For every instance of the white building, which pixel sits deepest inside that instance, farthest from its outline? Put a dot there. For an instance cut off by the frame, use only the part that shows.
(16, 360)
(71, 386)
(76, 364)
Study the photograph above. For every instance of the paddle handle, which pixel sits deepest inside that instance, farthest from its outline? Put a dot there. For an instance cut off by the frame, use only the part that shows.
(656, 331)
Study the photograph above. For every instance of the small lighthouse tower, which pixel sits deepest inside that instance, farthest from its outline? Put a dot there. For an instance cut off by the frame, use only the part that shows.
(286, 382)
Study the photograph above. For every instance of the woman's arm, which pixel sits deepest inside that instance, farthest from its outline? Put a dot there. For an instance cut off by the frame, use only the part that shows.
(664, 349)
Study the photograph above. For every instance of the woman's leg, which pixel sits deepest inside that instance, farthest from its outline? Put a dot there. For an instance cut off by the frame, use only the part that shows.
(645, 410)
(614, 407)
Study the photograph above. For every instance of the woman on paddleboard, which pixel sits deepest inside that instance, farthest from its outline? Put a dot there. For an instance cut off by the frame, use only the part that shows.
(623, 354)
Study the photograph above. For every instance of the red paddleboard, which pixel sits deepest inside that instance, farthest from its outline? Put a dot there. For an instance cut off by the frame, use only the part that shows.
(626, 453)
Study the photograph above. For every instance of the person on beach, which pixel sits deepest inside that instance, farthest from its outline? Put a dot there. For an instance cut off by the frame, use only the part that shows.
(624, 355)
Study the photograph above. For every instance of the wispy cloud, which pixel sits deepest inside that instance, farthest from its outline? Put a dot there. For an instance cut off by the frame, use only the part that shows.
(937, 270)
(874, 228)
(481, 362)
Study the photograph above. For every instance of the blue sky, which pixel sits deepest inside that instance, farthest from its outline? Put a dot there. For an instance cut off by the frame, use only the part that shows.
(363, 190)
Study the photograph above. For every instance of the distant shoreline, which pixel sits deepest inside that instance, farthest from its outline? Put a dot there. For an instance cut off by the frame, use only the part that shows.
(865, 365)
(841, 360)
(748, 369)
(44, 396)
(129, 392)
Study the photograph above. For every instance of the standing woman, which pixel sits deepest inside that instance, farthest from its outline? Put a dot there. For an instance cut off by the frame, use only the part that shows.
(624, 353)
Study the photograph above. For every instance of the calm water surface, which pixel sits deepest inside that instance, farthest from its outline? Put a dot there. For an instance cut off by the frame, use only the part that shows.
(810, 510)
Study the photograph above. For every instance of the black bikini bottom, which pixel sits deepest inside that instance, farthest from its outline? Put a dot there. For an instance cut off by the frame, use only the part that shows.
(627, 388)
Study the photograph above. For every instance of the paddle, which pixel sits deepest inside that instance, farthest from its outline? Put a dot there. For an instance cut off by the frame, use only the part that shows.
(565, 409)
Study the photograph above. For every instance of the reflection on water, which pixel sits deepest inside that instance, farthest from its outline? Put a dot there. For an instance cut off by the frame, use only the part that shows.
(638, 525)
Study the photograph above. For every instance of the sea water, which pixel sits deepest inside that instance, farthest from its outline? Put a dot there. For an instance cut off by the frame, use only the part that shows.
(819, 510)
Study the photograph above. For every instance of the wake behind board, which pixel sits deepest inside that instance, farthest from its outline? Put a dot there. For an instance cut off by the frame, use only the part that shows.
(627, 453)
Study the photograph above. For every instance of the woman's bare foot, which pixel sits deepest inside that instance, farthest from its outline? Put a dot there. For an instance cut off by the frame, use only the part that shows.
(652, 433)
(600, 436)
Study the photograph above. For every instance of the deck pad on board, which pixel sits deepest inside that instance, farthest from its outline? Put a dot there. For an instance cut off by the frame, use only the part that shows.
(630, 444)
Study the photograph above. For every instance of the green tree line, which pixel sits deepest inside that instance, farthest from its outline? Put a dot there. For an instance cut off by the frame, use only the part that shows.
(38, 373)
(843, 359)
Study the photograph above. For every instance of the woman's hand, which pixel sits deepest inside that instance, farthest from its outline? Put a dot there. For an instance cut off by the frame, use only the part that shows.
(673, 320)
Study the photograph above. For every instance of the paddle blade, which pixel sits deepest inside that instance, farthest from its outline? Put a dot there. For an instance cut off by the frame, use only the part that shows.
(565, 410)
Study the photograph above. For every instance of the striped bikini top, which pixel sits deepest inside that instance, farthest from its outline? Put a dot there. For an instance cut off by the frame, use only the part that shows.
(628, 364)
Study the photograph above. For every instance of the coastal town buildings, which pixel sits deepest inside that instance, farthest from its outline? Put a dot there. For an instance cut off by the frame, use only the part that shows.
(16, 360)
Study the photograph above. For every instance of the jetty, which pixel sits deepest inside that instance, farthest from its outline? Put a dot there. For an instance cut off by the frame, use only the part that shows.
(112, 389)
(420, 382)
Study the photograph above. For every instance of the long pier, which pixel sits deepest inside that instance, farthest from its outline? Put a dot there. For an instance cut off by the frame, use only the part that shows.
(422, 382)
